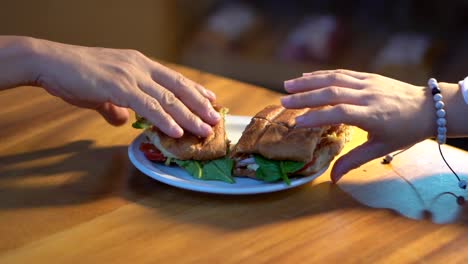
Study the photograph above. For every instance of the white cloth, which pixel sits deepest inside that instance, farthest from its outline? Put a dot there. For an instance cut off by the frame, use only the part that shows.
(464, 89)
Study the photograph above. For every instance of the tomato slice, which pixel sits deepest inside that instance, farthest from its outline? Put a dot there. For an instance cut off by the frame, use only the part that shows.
(152, 153)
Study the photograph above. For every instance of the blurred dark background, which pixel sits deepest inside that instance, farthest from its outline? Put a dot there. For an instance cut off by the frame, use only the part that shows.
(264, 42)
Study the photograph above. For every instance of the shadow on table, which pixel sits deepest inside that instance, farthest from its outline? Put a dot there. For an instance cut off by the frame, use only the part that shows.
(413, 200)
(78, 172)
(81, 172)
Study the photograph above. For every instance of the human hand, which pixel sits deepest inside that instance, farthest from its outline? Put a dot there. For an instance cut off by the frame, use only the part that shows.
(111, 80)
(394, 113)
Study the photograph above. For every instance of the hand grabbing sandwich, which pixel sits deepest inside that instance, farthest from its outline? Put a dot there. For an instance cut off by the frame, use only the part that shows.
(395, 114)
(203, 157)
(109, 81)
(272, 148)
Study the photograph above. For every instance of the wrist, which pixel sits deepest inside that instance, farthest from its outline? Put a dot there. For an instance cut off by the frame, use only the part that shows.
(456, 110)
(430, 113)
(36, 51)
(18, 61)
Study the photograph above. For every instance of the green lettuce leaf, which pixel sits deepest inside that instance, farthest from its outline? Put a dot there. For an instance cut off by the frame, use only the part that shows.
(275, 170)
(219, 170)
(140, 125)
(193, 167)
(141, 122)
(269, 170)
(292, 166)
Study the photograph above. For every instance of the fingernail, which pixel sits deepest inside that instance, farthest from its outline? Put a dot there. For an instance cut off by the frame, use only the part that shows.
(289, 84)
(207, 130)
(336, 176)
(178, 131)
(333, 180)
(336, 179)
(306, 73)
(300, 119)
(210, 94)
(285, 100)
(215, 115)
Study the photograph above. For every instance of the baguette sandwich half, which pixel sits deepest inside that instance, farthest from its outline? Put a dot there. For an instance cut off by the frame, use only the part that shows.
(204, 158)
(272, 148)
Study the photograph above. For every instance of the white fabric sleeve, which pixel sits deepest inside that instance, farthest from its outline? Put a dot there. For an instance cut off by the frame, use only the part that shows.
(464, 89)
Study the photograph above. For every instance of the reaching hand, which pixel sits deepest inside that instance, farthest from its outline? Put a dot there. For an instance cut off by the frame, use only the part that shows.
(111, 80)
(395, 114)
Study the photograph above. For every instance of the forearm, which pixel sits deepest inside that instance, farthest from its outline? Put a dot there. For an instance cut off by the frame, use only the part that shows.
(457, 110)
(18, 61)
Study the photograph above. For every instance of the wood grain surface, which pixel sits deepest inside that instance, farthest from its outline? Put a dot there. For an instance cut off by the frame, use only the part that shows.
(69, 194)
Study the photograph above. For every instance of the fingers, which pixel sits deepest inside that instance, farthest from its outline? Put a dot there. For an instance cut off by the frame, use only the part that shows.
(329, 115)
(317, 81)
(114, 115)
(175, 108)
(193, 95)
(326, 96)
(202, 90)
(150, 108)
(355, 158)
(355, 74)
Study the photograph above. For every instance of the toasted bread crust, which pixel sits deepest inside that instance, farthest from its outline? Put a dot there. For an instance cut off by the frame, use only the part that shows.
(191, 147)
(272, 134)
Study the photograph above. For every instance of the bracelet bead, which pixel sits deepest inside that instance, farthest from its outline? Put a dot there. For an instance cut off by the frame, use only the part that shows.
(441, 121)
(435, 91)
(441, 113)
(442, 130)
(432, 83)
(387, 159)
(439, 105)
(462, 184)
(441, 139)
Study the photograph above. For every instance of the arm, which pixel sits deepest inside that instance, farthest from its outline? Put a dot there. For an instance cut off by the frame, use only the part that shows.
(395, 114)
(17, 62)
(109, 81)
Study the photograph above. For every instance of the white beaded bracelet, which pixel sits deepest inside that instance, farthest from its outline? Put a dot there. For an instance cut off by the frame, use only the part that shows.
(441, 129)
(442, 124)
(440, 111)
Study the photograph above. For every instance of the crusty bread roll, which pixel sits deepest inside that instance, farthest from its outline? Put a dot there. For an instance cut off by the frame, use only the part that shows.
(272, 133)
(191, 147)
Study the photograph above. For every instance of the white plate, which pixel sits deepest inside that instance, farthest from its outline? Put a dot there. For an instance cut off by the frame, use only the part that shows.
(178, 177)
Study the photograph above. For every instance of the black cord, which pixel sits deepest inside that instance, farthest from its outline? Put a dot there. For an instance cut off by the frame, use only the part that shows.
(461, 183)
(442, 155)
(401, 151)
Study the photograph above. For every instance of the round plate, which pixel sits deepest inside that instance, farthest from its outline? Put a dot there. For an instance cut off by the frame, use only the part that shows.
(178, 177)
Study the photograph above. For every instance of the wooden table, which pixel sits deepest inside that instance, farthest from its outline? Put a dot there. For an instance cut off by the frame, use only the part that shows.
(68, 194)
